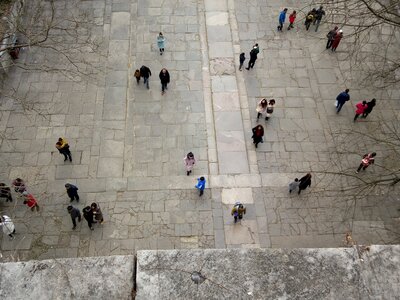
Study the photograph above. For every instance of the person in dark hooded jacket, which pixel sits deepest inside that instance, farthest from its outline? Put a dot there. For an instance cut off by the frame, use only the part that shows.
(305, 182)
(370, 106)
(164, 77)
(145, 73)
(88, 215)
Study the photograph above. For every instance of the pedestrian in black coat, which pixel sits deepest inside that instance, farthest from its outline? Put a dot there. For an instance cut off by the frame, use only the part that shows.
(305, 182)
(72, 191)
(242, 58)
(253, 58)
(88, 215)
(75, 213)
(370, 106)
(145, 73)
(164, 77)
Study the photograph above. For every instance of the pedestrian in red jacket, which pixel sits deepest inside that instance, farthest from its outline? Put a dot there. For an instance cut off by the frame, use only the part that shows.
(336, 40)
(292, 17)
(30, 201)
(361, 107)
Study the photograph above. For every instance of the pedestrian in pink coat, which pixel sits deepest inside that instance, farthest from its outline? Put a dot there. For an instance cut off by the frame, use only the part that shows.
(361, 107)
(190, 161)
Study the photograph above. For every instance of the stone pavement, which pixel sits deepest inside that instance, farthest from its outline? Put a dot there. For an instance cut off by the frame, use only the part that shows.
(128, 142)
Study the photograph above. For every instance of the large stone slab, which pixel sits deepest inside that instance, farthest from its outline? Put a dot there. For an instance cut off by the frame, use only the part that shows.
(112, 277)
(340, 273)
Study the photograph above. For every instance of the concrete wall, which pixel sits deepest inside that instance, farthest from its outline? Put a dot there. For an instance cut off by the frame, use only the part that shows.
(340, 273)
(343, 273)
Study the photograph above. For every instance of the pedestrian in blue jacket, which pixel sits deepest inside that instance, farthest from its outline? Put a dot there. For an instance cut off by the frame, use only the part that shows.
(201, 185)
(341, 99)
(282, 17)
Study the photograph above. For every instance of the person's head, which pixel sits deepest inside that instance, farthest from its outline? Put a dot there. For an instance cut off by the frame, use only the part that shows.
(202, 178)
(18, 180)
(296, 179)
(25, 202)
(373, 100)
(347, 90)
(86, 209)
(69, 208)
(242, 54)
(272, 102)
(259, 127)
(314, 10)
(336, 28)
(309, 175)
(2, 184)
(294, 12)
(190, 155)
(67, 186)
(256, 45)
(160, 34)
(264, 102)
(285, 9)
(25, 193)
(364, 102)
(60, 140)
(164, 70)
(373, 154)
(93, 206)
(321, 7)
(341, 31)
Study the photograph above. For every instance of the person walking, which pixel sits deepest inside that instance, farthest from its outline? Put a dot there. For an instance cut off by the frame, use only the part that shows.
(8, 226)
(72, 192)
(164, 78)
(341, 99)
(63, 147)
(318, 17)
(30, 201)
(282, 18)
(368, 159)
(261, 108)
(294, 185)
(19, 185)
(201, 185)
(292, 18)
(310, 18)
(270, 109)
(98, 214)
(88, 215)
(360, 108)
(75, 214)
(145, 73)
(304, 182)
(258, 133)
(370, 106)
(253, 56)
(336, 40)
(190, 161)
(137, 76)
(331, 36)
(161, 43)
(242, 58)
(5, 192)
(238, 211)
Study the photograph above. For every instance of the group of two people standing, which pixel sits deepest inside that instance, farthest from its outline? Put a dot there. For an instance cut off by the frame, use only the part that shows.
(264, 108)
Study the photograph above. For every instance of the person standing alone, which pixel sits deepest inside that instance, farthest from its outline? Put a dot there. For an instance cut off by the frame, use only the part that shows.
(292, 17)
(368, 159)
(72, 192)
(164, 78)
(161, 43)
(190, 161)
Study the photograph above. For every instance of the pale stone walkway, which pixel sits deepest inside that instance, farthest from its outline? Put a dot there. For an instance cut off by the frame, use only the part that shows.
(128, 143)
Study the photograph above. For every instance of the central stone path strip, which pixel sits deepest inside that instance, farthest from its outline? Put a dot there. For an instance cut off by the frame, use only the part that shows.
(230, 140)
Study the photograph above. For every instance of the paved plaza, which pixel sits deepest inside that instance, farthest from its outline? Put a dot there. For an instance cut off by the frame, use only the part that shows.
(128, 143)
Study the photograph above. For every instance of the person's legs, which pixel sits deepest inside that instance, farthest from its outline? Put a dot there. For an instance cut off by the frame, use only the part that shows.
(252, 64)
(308, 25)
(201, 192)
(365, 114)
(280, 26)
(248, 66)
(74, 223)
(317, 25)
(235, 217)
(355, 117)
(364, 167)
(259, 115)
(359, 168)
(137, 80)
(65, 156)
(145, 80)
(147, 83)
(339, 107)
(240, 66)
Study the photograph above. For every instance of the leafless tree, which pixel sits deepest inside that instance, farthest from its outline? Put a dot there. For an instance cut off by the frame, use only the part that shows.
(371, 38)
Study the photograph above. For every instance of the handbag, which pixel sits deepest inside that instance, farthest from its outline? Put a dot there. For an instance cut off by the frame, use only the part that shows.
(336, 103)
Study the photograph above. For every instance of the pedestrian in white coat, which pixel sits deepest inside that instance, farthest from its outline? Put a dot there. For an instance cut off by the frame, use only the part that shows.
(8, 226)
(190, 161)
